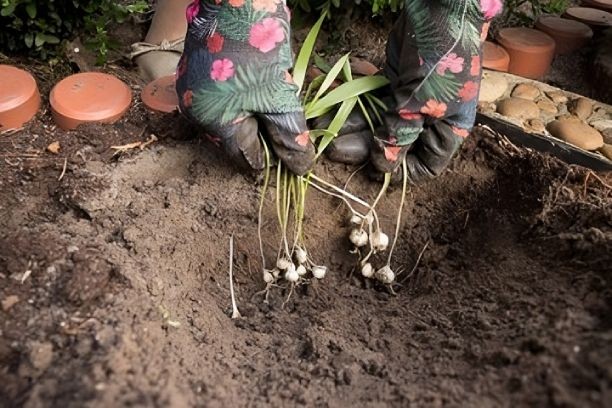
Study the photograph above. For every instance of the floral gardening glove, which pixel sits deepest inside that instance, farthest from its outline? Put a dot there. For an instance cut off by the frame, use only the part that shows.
(233, 78)
(434, 67)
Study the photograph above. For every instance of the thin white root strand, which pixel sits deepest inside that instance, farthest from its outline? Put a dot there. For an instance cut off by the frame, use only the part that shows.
(264, 189)
(325, 191)
(235, 311)
(370, 234)
(63, 169)
(400, 210)
(417, 263)
(382, 192)
(356, 219)
(341, 191)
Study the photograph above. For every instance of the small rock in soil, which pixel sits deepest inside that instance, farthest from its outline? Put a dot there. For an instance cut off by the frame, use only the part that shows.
(9, 302)
(526, 91)
(577, 133)
(106, 337)
(582, 107)
(606, 150)
(155, 286)
(492, 87)
(547, 106)
(41, 355)
(558, 97)
(54, 147)
(518, 108)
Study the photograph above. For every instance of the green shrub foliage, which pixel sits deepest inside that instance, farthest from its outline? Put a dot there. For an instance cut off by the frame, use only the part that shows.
(39, 26)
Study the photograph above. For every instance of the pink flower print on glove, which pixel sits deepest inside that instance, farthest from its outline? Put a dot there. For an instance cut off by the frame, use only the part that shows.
(491, 8)
(266, 35)
(222, 70)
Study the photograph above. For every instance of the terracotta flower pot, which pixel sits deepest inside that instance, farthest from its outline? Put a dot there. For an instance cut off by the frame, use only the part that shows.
(569, 35)
(531, 51)
(160, 95)
(19, 97)
(495, 57)
(597, 19)
(89, 97)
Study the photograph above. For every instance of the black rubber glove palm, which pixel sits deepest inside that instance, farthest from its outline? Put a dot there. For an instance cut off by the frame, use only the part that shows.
(234, 76)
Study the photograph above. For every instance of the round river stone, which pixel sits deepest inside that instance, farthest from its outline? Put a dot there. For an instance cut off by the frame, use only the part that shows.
(582, 107)
(576, 132)
(547, 106)
(518, 108)
(557, 96)
(526, 91)
(492, 87)
(606, 150)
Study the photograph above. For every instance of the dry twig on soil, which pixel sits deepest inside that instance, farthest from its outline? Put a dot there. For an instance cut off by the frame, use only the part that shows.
(136, 145)
(63, 170)
(235, 311)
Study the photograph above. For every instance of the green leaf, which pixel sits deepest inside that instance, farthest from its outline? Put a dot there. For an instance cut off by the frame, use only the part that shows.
(317, 133)
(321, 63)
(314, 84)
(331, 77)
(39, 39)
(31, 10)
(303, 59)
(345, 91)
(29, 39)
(375, 106)
(334, 127)
(8, 9)
(51, 39)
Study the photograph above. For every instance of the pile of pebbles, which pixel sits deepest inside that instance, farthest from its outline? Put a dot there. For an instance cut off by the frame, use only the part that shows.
(541, 109)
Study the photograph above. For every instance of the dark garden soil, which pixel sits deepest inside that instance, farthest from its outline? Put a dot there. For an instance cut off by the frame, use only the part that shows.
(114, 284)
(510, 304)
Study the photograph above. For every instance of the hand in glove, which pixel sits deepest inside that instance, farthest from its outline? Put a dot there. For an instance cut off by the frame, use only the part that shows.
(434, 68)
(233, 79)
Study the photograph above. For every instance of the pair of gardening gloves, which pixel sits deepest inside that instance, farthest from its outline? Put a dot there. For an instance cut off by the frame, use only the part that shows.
(233, 79)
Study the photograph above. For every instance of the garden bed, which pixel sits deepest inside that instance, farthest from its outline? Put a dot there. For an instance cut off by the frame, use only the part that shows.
(115, 281)
(114, 287)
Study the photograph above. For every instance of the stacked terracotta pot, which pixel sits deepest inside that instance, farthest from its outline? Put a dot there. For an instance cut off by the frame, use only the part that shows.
(529, 52)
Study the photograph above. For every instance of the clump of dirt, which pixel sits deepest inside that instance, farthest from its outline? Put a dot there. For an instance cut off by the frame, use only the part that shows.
(115, 292)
